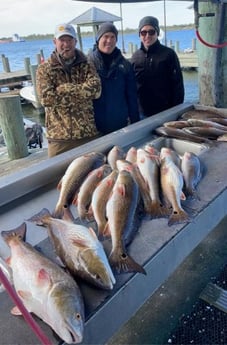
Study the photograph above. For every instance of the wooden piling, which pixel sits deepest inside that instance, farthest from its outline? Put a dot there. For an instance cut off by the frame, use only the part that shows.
(5, 63)
(27, 64)
(12, 125)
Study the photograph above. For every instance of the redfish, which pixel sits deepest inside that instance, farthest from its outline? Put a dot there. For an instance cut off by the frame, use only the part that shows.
(78, 248)
(121, 208)
(191, 169)
(99, 200)
(84, 197)
(172, 184)
(45, 288)
(75, 174)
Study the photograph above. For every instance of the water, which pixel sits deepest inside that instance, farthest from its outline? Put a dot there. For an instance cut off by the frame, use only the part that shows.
(16, 52)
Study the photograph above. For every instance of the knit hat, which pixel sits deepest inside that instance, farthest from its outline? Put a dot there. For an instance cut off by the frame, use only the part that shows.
(64, 29)
(149, 20)
(104, 28)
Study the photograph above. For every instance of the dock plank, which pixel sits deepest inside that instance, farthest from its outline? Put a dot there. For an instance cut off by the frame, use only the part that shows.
(11, 79)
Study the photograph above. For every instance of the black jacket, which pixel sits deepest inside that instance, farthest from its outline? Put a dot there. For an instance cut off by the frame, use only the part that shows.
(117, 106)
(159, 78)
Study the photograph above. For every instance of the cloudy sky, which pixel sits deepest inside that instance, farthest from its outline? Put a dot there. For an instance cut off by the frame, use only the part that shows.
(27, 17)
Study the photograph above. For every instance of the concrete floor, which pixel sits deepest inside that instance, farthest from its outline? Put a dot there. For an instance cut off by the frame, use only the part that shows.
(157, 318)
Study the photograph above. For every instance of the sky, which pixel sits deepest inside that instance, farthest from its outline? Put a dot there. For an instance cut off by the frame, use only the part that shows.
(27, 17)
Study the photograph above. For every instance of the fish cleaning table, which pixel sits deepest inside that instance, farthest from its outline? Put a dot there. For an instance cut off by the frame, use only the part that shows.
(158, 247)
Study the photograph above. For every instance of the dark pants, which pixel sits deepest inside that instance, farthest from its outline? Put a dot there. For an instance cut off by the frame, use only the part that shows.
(57, 147)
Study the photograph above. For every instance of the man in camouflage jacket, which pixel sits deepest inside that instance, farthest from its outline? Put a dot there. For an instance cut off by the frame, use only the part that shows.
(66, 85)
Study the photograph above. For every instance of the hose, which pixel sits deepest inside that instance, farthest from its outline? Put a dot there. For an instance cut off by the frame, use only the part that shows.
(29, 319)
(197, 16)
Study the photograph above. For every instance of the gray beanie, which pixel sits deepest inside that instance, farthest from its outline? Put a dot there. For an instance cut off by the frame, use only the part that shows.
(149, 20)
(104, 28)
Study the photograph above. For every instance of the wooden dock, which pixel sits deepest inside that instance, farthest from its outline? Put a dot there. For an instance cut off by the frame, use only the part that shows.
(13, 80)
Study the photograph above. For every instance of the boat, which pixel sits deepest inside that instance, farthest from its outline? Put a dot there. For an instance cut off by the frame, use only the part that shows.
(17, 38)
(28, 93)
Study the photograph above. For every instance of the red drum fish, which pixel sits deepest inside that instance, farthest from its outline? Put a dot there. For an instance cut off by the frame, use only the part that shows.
(131, 155)
(78, 248)
(45, 288)
(114, 154)
(149, 168)
(120, 210)
(84, 197)
(191, 169)
(166, 151)
(172, 184)
(180, 134)
(136, 174)
(99, 200)
(75, 174)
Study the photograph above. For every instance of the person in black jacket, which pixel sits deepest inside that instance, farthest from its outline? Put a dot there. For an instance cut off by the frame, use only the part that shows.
(158, 73)
(117, 107)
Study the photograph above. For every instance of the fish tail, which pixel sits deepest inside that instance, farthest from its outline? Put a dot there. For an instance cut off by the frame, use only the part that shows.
(17, 233)
(157, 209)
(192, 193)
(39, 218)
(121, 262)
(179, 216)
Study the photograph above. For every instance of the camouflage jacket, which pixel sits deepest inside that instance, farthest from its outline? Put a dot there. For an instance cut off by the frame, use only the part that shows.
(67, 95)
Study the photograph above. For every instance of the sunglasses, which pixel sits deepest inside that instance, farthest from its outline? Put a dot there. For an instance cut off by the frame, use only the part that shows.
(149, 32)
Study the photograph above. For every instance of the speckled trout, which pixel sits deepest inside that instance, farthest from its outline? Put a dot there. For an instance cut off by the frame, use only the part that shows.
(45, 288)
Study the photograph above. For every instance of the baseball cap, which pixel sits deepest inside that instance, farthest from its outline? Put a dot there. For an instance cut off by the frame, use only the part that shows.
(64, 29)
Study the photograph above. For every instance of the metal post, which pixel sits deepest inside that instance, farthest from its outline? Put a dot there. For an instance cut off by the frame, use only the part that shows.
(122, 30)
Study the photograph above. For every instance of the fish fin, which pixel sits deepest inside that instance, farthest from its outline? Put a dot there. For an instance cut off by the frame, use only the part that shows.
(92, 232)
(75, 200)
(121, 262)
(40, 217)
(182, 196)
(19, 233)
(59, 184)
(15, 311)
(8, 260)
(178, 217)
(106, 231)
(24, 294)
(43, 277)
(121, 189)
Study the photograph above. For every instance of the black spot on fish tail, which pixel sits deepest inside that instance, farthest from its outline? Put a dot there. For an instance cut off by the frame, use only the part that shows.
(121, 262)
(19, 232)
(159, 210)
(178, 217)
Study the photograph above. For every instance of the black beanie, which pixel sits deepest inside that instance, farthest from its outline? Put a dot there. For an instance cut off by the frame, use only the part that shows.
(104, 28)
(149, 20)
